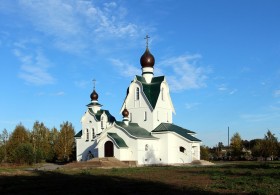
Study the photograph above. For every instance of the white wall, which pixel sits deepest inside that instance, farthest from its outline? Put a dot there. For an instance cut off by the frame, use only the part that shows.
(170, 148)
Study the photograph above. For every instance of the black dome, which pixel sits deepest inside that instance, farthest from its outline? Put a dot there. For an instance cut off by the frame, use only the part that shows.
(147, 59)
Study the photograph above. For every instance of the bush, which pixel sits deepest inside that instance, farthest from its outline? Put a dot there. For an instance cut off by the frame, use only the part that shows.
(23, 154)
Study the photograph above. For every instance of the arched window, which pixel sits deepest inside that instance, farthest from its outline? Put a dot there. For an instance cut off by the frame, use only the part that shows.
(130, 116)
(145, 115)
(158, 115)
(102, 122)
(87, 135)
(182, 149)
(137, 93)
(162, 94)
(93, 134)
(146, 147)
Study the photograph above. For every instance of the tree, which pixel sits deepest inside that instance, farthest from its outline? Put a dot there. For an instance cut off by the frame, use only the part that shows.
(236, 145)
(20, 135)
(53, 137)
(65, 141)
(269, 146)
(256, 147)
(204, 153)
(23, 153)
(40, 141)
(4, 136)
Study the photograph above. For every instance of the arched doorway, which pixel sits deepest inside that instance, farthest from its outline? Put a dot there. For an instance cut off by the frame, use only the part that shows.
(109, 149)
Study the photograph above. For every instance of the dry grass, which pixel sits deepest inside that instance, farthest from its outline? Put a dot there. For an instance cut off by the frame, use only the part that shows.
(235, 178)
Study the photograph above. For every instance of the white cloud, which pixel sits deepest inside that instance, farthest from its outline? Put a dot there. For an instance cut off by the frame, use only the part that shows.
(60, 93)
(125, 69)
(191, 106)
(77, 25)
(225, 89)
(277, 93)
(259, 117)
(81, 84)
(34, 68)
(233, 91)
(222, 87)
(183, 73)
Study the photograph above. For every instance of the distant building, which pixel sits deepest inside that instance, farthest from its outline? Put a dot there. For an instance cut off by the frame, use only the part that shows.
(146, 134)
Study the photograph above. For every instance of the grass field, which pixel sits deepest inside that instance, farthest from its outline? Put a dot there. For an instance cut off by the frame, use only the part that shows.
(224, 178)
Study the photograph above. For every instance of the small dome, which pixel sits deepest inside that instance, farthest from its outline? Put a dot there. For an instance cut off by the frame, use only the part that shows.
(147, 59)
(125, 113)
(94, 96)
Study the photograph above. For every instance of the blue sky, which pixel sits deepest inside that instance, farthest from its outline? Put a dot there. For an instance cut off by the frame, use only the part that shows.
(221, 59)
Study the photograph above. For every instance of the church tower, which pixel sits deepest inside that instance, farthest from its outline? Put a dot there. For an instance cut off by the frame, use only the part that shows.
(148, 100)
(147, 62)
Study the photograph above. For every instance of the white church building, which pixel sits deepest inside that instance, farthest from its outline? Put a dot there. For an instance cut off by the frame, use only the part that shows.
(146, 134)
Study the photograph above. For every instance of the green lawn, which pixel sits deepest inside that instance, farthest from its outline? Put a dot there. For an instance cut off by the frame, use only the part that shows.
(224, 178)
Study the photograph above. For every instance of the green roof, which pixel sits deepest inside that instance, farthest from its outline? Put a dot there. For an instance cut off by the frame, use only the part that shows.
(79, 134)
(93, 104)
(118, 140)
(135, 130)
(163, 127)
(100, 112)
(151, 90)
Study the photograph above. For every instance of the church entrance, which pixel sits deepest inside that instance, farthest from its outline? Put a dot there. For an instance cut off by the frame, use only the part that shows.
(109, 149)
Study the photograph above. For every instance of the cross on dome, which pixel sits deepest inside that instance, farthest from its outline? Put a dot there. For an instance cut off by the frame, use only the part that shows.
(93, 83)
(147, 40)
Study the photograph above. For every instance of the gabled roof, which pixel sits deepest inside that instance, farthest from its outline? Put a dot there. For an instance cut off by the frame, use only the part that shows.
(164, 127)
(118, 140)
(79, 134)
(135, 130)
(151, 90)
(100, 112)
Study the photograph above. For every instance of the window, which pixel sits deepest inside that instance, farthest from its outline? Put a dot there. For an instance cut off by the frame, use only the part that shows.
(130, 117)
(102, 122)
(93, 134)
(167, 116)
(146, 147)
(87, 135)
(145, 115)
(162, 94)
(182, 149)
(158, 115)
(137, 93)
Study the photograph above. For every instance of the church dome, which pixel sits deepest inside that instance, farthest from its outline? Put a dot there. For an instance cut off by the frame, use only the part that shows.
(94, 96)
(125, 113)
(147, 59)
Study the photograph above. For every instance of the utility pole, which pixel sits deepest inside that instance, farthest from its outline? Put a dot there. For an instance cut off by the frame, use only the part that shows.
(228, 137)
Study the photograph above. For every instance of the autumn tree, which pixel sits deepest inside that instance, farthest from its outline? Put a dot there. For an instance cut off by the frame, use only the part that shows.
(204, 153)
(19, 136)
(40, 141)
(53, 138)
(269, 146)
(236, 145)
(65, 141)
(19, 145)
(4, 136)
(256, 147)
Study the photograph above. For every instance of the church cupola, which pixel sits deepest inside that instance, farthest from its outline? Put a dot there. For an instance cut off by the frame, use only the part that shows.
(94, 100)
(147, 62)
(94, 96)
(125, 114)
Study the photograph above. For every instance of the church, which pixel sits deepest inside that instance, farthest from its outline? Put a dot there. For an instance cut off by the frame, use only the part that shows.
(146, 134)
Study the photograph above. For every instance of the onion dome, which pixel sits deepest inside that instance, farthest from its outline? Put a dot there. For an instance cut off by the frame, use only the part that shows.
(125, 113)
(94, 96)
(147, 59)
